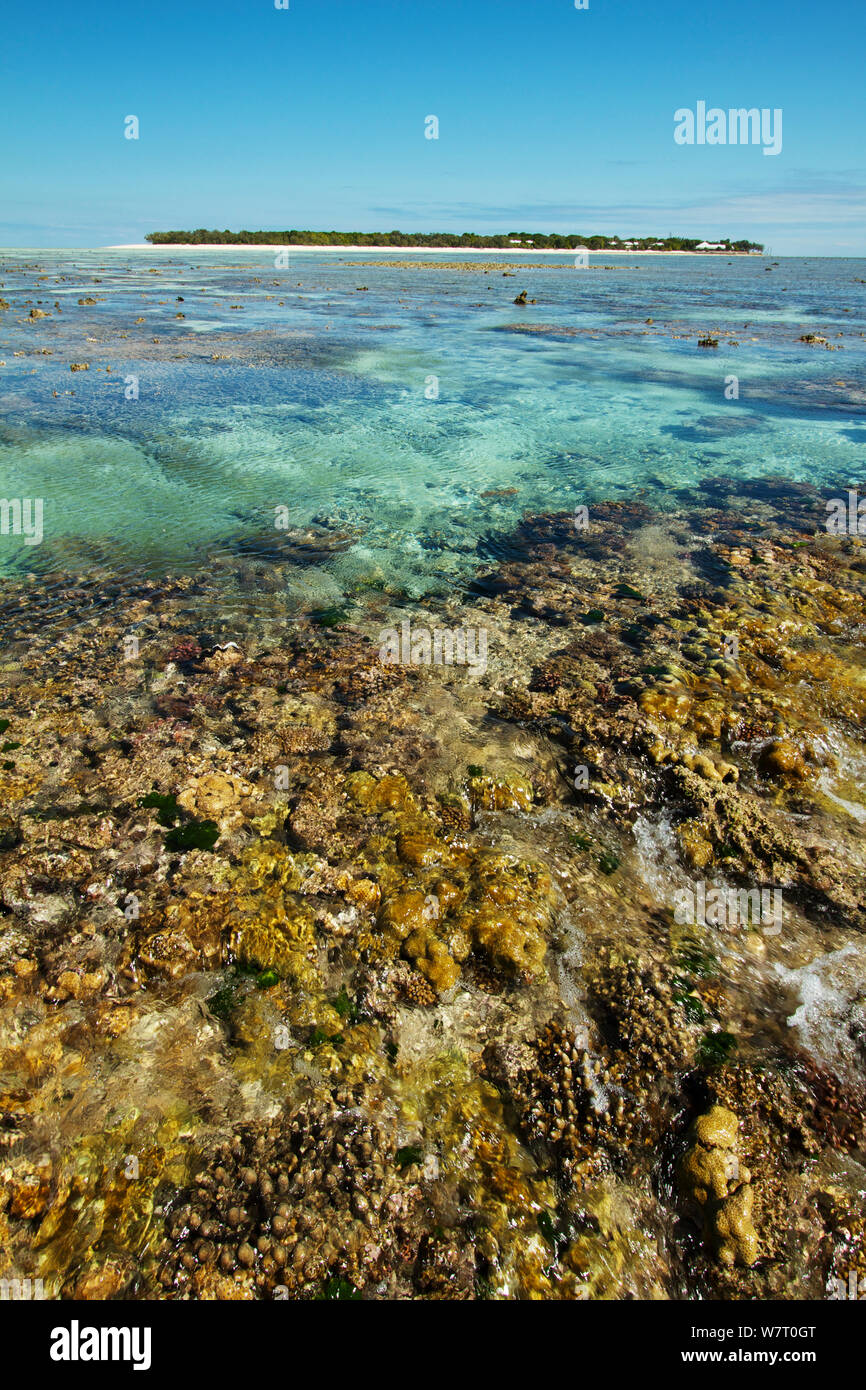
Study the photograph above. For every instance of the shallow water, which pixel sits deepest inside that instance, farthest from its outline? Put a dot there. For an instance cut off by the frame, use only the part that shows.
(419, 411)
(266, 898)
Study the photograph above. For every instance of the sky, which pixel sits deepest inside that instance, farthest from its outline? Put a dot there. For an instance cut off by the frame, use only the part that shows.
(551, 118)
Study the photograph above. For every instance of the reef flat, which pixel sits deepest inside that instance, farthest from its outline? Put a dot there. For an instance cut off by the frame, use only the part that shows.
(324, 976)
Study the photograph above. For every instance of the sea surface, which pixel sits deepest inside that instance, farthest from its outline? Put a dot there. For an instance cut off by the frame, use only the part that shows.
(417, 408)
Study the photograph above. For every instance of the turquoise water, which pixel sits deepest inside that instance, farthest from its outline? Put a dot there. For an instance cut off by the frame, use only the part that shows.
(388, 412)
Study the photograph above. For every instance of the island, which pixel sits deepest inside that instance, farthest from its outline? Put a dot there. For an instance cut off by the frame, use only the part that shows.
(469, 241)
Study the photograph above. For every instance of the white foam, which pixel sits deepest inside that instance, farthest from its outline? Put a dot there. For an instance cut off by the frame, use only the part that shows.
(830, 1021)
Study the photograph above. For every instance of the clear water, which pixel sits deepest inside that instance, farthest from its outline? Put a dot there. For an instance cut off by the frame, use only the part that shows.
(326, 404)
(318, 397)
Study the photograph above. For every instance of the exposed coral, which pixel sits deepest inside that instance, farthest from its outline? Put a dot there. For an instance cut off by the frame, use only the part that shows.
(649, 1029)
(570, 1103)
(713, 1177)
(293, 1203)
(387, 955)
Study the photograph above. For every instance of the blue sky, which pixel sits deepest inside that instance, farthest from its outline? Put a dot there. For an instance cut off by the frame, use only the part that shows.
(551, 118)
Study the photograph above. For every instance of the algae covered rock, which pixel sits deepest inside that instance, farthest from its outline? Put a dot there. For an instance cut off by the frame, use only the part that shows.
(276, 931)
(214, 796)
(782, 758)
(737, 1239)
(500, 793)
(442, 900)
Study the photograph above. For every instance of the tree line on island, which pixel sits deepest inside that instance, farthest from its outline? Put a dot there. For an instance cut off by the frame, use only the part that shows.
(537, 241)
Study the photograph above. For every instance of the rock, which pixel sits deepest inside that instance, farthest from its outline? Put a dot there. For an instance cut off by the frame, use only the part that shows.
(404, 914)
(10, 832)
(108, 1280)
(29, 1188)
(783, 759)
(500, 793)
(170, 953)
(223, 658)
(419, 849)
(214, 796)
(697, 850)
(138, 860)
(51, 911)
(69, 984)
(432, 957)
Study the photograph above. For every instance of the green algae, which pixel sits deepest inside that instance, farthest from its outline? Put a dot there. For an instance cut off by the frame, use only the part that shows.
(692, 1006)
(608, 862)
(185, 832)
(223, 1002)
(332, 617)
(166, 807)
(554, 1232)
(193, 835)
(347, 1008)
(339, 1291)
(696, 959)
(715, 1049)
(409, 1154)
(683, 993)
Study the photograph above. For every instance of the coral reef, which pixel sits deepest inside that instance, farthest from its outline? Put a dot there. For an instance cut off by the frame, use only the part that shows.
(293, 1204)
(322, 977)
